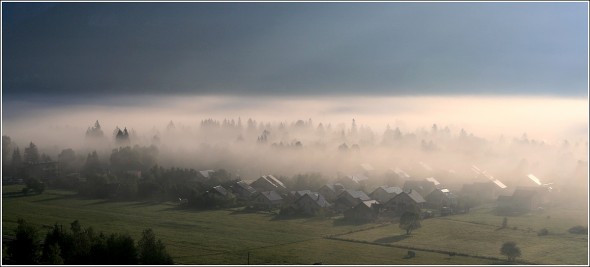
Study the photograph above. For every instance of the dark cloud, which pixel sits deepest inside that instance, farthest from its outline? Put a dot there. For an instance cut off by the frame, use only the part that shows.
(295, 48)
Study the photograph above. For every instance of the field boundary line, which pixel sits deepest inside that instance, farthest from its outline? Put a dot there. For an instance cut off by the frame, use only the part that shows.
(450, 253)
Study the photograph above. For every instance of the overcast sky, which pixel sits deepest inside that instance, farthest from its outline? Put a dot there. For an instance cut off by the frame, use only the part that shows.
(86, 49)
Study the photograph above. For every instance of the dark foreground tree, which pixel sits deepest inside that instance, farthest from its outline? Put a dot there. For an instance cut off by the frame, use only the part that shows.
(510, 250)
(152, 251)
(24, 249)
(409, 222)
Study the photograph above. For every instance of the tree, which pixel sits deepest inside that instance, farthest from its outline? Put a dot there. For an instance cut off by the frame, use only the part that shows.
(31, 154)
(66, 160)
(24, 249)
(17, 160)
(94, 132)
(92, 165)
(121, 249)
(6, 149)
(152, 252)
(409, 222)
(510, 250)
(35, 185)
(54, 255)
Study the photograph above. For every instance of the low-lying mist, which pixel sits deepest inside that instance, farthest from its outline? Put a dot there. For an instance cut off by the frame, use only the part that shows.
(252, 136)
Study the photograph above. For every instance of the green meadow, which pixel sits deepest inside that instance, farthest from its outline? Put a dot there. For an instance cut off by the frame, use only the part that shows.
(479, 233)
(237, 237)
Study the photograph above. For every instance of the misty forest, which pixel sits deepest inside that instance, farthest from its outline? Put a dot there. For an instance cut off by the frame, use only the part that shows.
(295, 133)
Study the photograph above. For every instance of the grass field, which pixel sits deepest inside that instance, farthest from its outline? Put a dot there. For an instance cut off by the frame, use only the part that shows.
(227, 236)
(478, 233)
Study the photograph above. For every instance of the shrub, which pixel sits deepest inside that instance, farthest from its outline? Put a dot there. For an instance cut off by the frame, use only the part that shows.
(410, 254)
(510, 250)
(543, 232)
(578, 229)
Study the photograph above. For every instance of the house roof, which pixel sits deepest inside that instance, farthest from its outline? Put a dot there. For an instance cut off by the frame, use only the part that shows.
(246, 186)
(418, 184)
(478, 186)
(333, 187)
(415, 196)
(219, 189)
(271, 195)
(368, 203)
(358, 194)
(391, 189)
(357, 178)
(301, 192)
(499, 184)
(431, 179)
(206, 173)
(401, 173)
(367, 167)
(273, 180)
(425, 166)
(534, 179)
(315, 198)
(269, 179)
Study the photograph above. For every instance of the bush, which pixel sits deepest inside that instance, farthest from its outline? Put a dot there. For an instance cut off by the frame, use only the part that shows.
(510, 250)
(578, 229)
(411, 254)
(24, 249)
(543, 232)
(152, 251)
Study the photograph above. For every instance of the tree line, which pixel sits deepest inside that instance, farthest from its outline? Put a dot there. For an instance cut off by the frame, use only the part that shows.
(83, 246)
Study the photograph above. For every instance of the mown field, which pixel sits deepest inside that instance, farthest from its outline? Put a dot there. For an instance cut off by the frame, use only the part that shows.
(228, 236)
(479, 233)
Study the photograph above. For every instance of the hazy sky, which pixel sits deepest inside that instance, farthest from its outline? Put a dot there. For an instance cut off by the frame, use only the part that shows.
(76, 50)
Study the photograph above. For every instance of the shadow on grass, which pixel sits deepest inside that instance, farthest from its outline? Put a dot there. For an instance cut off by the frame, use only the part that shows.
(391, 239)
(345, 222)
(99, 202)
(15, 195)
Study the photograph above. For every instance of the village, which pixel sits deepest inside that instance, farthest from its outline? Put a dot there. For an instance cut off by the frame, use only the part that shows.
(357, 200)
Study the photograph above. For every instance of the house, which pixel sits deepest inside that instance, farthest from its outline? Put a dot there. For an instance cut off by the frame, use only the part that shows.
(268, 183)
(440, 198)
(267, 200)
(423, 187)
(348, 199)
(406, 201)
(294, 195)
(481, 191)
(219, 192)
(331, 191)
(367, 168)
(242, 190)
(206, 174)
(364, 211)
(434, 181)
(522, 200)
(311, 204)
(402, 175)
(355, 182)
(385, 193)
(298, 194)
